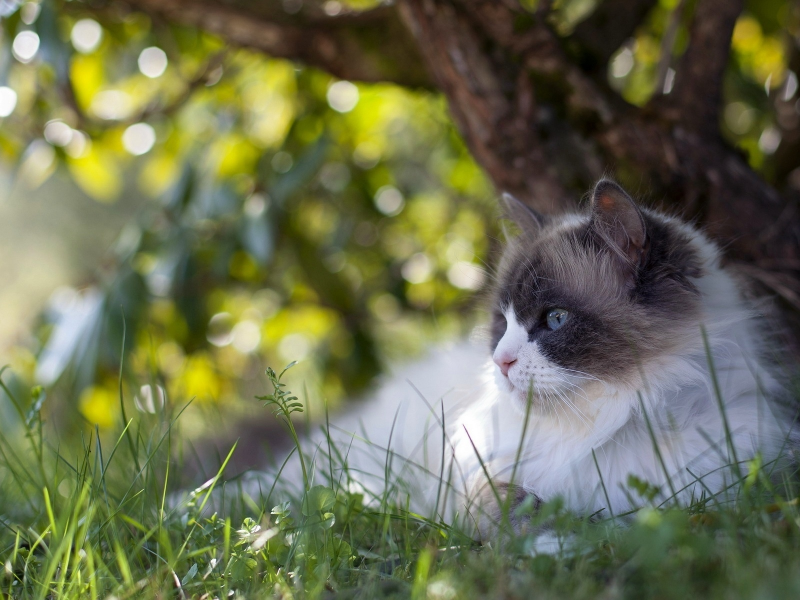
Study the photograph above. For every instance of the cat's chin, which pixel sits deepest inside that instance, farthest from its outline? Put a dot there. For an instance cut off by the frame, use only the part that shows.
(519, 398)
(503, 383)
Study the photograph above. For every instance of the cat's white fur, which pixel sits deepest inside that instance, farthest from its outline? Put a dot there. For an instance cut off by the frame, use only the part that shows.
(668, 427)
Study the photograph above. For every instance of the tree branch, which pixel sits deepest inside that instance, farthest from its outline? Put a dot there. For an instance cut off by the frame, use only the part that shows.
(369, 46)
(697, 94)
(156, 107)
(532, 40)
(667, 45)
(786, 160)
(607, 28)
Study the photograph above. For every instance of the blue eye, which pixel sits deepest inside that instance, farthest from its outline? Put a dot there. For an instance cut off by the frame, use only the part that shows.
(556, 317)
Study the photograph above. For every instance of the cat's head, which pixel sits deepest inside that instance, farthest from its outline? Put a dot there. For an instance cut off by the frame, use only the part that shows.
(587, 300)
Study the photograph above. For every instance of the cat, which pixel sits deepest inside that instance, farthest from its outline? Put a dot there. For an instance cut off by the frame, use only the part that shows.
(618, 347)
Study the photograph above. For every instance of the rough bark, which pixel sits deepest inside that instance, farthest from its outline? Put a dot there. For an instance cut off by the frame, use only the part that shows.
(697, 95)
(787, 109)
(491, 97)
(535, 113)
(367, 46)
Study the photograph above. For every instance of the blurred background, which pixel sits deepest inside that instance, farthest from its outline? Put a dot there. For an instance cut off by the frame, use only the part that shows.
(177, 214)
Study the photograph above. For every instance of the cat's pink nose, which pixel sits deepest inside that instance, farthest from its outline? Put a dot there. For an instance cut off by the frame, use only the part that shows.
(504, 362)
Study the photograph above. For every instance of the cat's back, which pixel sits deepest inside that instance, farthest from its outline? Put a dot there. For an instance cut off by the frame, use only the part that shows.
(397, 428)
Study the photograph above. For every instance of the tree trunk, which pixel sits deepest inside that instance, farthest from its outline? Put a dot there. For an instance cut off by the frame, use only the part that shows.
(536, 111)
(493, 69)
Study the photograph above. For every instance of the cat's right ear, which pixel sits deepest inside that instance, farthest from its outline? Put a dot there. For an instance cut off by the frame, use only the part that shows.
(619, 223)
(524, 216)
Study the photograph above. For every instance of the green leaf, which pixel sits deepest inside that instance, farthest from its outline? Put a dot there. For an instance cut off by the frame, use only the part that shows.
(318, 499)
(189, 575)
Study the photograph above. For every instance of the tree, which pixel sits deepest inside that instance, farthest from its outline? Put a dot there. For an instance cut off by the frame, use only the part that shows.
(536, 111)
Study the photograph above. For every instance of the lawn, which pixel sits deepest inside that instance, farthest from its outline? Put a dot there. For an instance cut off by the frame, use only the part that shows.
(105, 520)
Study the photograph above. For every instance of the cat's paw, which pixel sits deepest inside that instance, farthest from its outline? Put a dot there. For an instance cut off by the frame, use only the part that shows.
(511, 515)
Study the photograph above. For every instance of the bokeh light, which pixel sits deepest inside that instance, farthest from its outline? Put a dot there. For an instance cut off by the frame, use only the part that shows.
(86, 35)
(112, 105)
(153, 62)
(389, 200)
(8, 101)
(30, 12)
(25, 46)
(58, 133)
(139, 139)
(343, 96)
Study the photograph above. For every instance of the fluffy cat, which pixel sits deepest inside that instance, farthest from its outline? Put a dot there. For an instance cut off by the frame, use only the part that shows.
(618, 346)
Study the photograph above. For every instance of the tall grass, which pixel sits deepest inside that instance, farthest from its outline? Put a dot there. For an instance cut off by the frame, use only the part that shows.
(105, 519)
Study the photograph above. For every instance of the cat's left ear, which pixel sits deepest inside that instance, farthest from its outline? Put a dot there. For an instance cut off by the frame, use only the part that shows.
(523, 215)
(618, 222)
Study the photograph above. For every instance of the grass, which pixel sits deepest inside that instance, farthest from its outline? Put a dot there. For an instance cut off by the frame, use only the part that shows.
(104, 520)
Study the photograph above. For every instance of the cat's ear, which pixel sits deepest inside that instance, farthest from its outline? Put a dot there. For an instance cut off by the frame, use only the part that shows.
(617, 221)
(524, 216)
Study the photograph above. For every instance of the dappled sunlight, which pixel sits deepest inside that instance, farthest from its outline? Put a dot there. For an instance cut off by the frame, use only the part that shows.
(223, 222)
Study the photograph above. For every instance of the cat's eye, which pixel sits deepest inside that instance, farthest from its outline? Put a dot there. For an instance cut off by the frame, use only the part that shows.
(556, 317)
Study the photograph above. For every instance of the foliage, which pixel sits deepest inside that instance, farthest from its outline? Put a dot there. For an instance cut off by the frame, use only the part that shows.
(292, 216)
(285, 406)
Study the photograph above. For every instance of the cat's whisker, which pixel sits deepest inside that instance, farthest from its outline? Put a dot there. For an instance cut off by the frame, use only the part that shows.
(573, 376)
(549, 403)
(569, 404)
(580, 374)
(574, 388)
(557, 404)
(581, 396)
